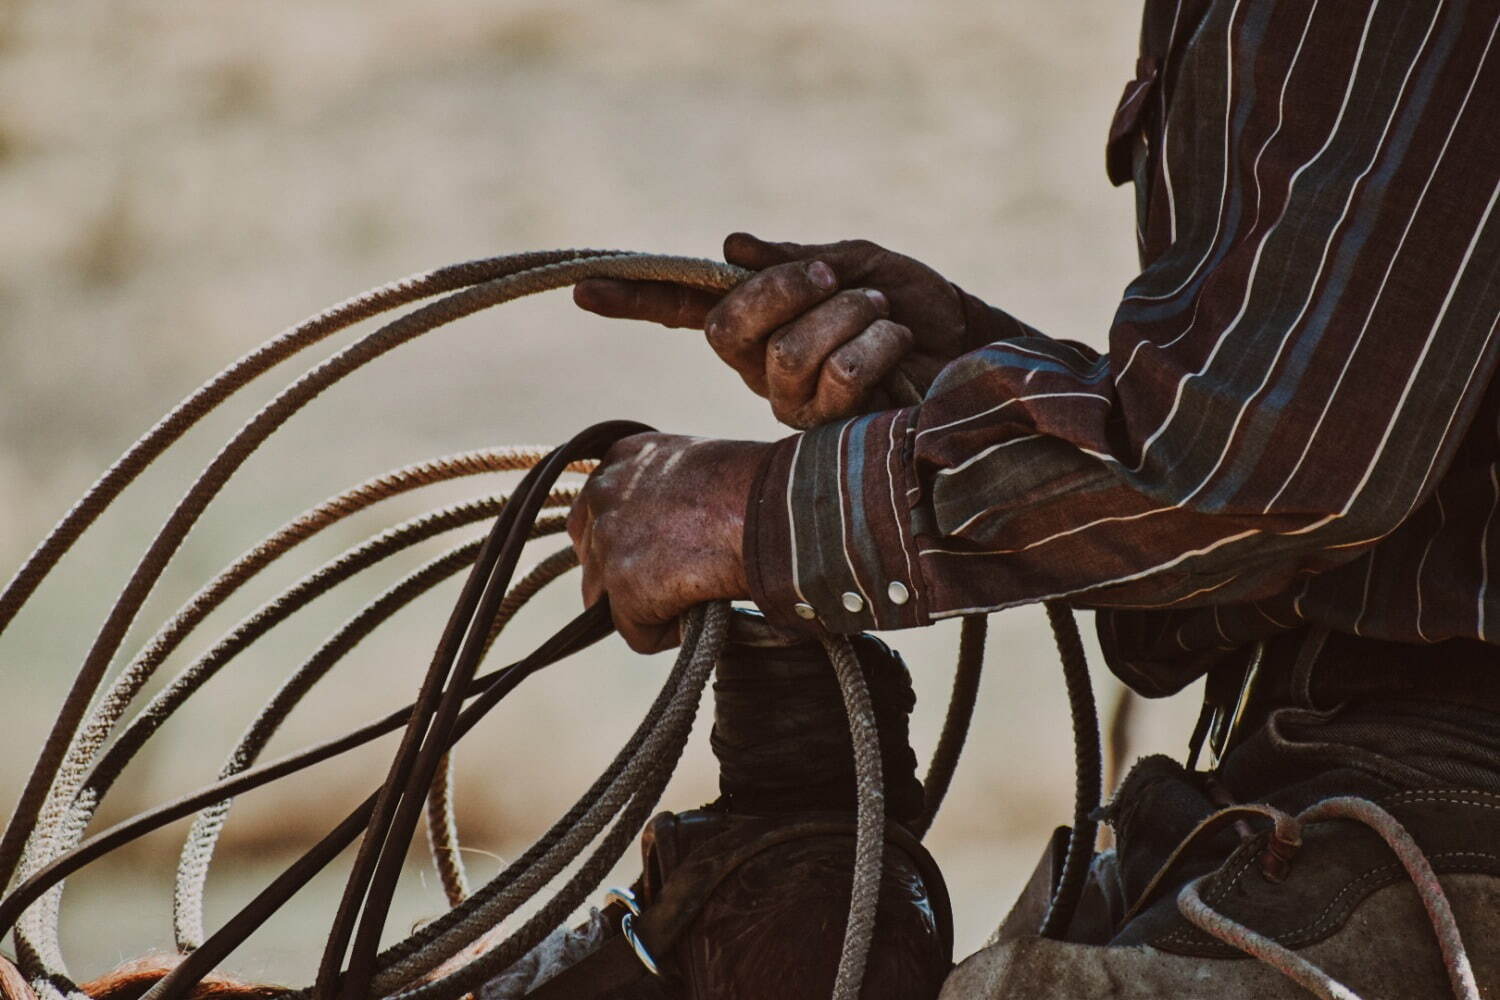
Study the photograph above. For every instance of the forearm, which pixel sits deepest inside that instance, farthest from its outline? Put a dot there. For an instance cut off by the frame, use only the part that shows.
(876, 523)
(1027, 475)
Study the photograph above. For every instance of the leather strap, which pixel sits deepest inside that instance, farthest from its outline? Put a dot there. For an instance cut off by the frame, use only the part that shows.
(496, 562)
(582, 632)
(371, 886)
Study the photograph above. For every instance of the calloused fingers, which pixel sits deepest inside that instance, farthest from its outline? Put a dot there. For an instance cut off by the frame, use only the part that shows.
(739, 326)
(796, 353)
(852, 374)
(654, 301)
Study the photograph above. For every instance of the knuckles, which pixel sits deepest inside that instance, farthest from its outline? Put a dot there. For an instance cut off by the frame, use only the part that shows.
(843, 373)
(763, 301)
(791, 354)
(784, 356)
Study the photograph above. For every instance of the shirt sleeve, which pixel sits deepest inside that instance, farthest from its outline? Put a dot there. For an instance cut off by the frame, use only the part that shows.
(1286, 380)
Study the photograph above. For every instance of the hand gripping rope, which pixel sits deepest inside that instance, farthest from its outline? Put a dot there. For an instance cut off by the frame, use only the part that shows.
(45, 838)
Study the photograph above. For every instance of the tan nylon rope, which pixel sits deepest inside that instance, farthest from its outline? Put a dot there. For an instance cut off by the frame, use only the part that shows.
(643, 771)
(40, 925)
(514, 284)
(521, 275)
(60, 795)
(441, 815)
(202, 838)
(198, 850)
(128, 684)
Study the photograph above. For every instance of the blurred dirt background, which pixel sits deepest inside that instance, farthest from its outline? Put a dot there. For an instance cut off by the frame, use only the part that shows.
(180, 181)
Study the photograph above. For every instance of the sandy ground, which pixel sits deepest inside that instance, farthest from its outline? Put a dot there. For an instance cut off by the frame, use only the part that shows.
(178, 182)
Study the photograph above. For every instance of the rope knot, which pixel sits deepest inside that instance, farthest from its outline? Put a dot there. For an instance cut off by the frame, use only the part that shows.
(1281, 847)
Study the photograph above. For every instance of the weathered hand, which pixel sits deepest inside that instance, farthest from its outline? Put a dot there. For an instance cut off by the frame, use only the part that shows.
(658, 528)
(816, 329)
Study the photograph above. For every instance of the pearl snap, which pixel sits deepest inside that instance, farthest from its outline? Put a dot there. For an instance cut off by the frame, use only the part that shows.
(897, 592)
(805, 611)
(853, 603)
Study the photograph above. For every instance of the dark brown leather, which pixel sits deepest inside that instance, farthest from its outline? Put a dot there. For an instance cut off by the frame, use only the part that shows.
(434, 722)
(671, 839)
(488, 690)
(749, 897)
(781, 731)
(1339, 865)
(741, 907)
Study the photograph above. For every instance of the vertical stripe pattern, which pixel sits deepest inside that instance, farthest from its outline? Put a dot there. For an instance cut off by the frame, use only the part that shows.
(1295, 421)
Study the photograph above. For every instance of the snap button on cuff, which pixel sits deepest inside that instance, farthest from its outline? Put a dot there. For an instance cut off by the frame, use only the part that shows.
(853, 603)
(897, 592)
(805, 611)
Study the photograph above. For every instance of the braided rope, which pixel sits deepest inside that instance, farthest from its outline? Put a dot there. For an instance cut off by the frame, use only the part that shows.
(171, 635)
(236, 376)
(644, 776)
(74, 797)
(202, 838)
(441, 814)
(112, 706)
(628, 790)
(402, 952)
(1197, 911)
(1429, 889)
(198, 848)
(151, 445)
(268, 550)
(1296, 968)
(265, 422)
(869, 837)
(67, 812)
(197, 851)
(65, 819)
(442, 835)
(1088, 768)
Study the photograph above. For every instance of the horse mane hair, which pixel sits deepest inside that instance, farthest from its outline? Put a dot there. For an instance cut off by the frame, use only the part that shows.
(132, 979)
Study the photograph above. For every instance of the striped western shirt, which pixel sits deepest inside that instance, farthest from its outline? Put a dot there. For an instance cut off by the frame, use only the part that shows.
(1296, 421)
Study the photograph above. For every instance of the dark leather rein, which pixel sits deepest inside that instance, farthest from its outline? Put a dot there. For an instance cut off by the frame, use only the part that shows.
(432, 726)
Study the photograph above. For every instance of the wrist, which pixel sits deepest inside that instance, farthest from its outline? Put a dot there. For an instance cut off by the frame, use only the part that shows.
(729, 478)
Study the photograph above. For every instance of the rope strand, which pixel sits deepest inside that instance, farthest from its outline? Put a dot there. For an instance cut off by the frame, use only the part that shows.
(67, 783)
(420, 321)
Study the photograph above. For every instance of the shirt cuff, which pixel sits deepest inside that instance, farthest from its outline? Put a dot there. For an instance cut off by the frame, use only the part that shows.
(828, 530)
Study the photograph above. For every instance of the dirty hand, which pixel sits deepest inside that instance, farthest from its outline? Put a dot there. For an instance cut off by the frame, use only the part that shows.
(816, 329)
(658, 528)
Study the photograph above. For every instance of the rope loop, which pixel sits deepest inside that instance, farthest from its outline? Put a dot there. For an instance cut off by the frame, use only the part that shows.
(1199, 913)
(78, 764)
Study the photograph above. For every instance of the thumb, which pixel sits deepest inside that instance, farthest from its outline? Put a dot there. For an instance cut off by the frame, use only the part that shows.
(757, 254)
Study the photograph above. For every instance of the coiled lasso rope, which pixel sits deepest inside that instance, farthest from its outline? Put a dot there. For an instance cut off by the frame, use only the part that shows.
(44, 840)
